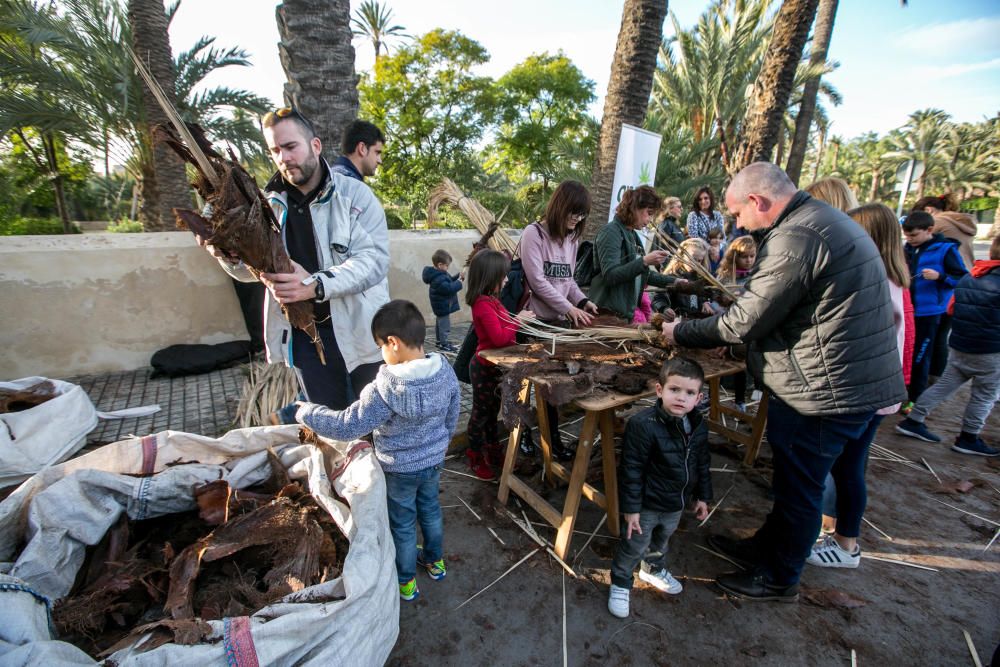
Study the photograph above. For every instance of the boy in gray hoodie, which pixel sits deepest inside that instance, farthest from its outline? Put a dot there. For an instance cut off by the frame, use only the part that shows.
(411, 409)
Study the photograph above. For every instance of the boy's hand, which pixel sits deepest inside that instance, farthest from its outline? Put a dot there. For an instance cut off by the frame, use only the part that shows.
(632, 523)
(930, 274)
(700, 510)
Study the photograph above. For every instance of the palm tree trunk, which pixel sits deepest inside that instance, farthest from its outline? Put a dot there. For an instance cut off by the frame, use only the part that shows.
(825, 17)
(773, 87)
(631, 82)
(52, 160)
(165, 184)
(874, 189)
(318, 60)
(819, 153)
(779, 154)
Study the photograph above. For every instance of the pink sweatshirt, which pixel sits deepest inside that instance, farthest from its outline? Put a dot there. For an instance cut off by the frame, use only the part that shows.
(549, 266)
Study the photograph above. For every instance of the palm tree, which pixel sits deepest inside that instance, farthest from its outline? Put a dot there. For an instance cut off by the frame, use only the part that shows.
(773, 87)
(164, 183)
(922, 139)
(825, 18)
(628, 94)
(318, 60)
(372, 20)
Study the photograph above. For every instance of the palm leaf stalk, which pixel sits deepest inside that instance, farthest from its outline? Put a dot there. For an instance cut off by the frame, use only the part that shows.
(690, 261)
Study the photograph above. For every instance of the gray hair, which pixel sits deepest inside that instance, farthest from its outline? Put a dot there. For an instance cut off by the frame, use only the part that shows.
(763, 178)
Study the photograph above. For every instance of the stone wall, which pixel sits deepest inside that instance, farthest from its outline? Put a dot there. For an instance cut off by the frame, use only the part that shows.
(90, 303)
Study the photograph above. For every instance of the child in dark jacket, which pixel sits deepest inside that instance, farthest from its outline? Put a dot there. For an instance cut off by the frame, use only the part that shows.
(935, 268)
(664, 464)
(975, 355)
(443, 292)
(411, 409)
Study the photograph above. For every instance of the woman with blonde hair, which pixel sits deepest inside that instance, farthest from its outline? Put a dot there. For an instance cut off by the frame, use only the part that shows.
(737, 262)
(835, 192)
(846, 495)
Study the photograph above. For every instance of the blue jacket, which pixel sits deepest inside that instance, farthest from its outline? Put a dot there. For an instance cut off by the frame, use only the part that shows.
(931, 297)
(443, 290)
(411, 409)
(975, 328)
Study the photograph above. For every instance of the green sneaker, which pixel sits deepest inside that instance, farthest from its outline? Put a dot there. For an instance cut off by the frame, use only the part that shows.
(435, 570)
(409, 591)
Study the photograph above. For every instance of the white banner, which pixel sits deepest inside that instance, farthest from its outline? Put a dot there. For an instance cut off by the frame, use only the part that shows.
(638, 150)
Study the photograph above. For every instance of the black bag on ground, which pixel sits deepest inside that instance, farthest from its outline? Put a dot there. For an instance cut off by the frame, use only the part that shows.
(464, 356)
(178, 360)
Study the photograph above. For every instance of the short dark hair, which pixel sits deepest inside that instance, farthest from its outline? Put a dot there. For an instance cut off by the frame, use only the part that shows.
(402, 319)
(487, 270)
(918, 220)
(634, 201)
(360, 131)
(570, 198)
(272, 118)
(440, 256)
(683, 367)
(695, 206)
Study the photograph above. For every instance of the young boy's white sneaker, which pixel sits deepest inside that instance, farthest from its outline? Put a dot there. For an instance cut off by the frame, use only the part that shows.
(661, 580)
(618, 601)
(828, 553)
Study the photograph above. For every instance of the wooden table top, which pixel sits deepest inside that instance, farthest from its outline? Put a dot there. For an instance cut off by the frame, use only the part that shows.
(604, 399)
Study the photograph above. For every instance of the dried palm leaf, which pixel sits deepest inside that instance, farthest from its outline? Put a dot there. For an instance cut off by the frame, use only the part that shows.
(449, 193)
(267, 389)
(242, 223)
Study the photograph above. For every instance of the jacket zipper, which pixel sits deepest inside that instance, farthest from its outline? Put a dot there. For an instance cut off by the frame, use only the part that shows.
(687, 471)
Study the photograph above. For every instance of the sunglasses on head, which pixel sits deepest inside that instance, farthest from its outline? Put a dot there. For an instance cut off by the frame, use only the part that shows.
(272, 117)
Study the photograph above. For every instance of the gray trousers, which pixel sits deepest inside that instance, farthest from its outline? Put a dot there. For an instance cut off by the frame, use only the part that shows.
(650, 546)
(442, 329)
(983, 370)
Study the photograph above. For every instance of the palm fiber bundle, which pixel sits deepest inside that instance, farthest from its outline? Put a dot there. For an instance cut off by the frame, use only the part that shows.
(487, 224)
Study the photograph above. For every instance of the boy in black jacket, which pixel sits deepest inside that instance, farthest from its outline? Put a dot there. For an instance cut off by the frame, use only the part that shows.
(664, 463)
(443, 290)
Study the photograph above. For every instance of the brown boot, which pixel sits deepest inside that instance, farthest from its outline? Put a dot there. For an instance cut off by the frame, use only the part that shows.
(479, 466)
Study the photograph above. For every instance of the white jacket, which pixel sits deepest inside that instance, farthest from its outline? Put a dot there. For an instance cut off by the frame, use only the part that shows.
(352, 242)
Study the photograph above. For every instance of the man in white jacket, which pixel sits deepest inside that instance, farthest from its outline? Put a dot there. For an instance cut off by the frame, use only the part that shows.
(335, 232)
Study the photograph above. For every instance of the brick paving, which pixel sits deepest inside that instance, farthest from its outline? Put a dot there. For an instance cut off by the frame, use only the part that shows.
(205, 404)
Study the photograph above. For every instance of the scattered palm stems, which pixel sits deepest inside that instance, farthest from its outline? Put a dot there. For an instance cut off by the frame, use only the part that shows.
(679, 251)
(267, 389)
(242, 224)
(493, 236)
(242, 550)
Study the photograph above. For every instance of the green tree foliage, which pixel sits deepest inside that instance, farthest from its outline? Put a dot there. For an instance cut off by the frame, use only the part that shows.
(541, 101)
(434, 110)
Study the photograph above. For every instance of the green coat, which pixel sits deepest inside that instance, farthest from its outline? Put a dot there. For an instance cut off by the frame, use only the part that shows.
(618, 253)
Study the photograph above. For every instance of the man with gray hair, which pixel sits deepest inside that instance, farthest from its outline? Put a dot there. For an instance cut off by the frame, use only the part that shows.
(817, 316)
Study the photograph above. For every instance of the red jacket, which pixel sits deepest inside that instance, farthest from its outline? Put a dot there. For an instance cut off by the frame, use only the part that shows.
(909, 335)
(494, 326)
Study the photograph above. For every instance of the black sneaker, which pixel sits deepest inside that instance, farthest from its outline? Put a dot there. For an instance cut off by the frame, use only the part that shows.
(742, 552)
(527, 443)
(969, 444)
(916, 429)
(753, 585)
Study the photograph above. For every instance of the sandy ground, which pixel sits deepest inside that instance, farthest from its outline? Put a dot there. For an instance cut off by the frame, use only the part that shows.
(907, 616)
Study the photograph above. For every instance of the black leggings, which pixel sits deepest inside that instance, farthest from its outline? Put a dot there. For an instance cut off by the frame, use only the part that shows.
(485, 380)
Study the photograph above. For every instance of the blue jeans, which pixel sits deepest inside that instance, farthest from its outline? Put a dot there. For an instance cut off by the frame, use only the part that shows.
(413, 497)
(442, 329)
(805, 449)
(845, 495)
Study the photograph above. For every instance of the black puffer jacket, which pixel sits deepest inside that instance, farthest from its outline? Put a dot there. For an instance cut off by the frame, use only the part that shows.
(817, 314)
(660, 467)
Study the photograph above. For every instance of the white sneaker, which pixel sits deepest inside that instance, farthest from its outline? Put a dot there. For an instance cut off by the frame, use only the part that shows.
(618, 601)
(828, 553)
(661, 580)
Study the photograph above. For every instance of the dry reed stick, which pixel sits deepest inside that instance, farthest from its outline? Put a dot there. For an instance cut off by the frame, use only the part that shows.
(959, 509)
(884, 534)
(565, 653)
(717, 554)
(854, 658)
(494, 534)
(509, 570)
(465, 474)
(899, 562)
(468, 508)
(717, 505)
(600, 523)
(931, 469)
(990, 544)
(972, 648)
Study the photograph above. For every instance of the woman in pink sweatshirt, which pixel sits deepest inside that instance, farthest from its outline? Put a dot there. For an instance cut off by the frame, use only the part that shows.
(548, 257)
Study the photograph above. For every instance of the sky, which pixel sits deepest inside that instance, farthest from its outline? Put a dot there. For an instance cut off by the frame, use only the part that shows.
(943, 54)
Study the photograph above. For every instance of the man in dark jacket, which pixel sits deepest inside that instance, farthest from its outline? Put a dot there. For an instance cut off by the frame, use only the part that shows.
(817, 316)
(664, 466)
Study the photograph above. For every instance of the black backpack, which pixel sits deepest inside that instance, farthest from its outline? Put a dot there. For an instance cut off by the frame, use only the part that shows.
(586, 264)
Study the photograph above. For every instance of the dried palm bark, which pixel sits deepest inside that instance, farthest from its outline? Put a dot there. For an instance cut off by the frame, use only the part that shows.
(241, 223)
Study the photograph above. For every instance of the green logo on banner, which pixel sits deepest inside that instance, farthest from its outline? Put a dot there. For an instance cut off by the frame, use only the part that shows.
(644, 178)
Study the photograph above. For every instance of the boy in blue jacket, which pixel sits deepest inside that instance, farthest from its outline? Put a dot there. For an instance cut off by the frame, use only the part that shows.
(935, 268)
(664, 466)
(411, 409)
(444, 289)
(975, 356)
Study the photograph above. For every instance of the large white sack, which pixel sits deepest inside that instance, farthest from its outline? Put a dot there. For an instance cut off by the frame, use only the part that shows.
(60, 511)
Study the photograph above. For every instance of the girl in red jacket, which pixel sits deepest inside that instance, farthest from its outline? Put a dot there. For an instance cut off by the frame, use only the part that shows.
(495, 328)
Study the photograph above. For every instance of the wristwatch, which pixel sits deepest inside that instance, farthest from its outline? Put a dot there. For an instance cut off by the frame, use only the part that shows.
(320, 291)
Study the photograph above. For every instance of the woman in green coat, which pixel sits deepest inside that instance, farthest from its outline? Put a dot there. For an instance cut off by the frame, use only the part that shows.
(623, 269)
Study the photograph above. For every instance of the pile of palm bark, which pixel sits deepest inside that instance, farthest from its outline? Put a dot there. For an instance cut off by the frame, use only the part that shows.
(240, 551)
(18, 400)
